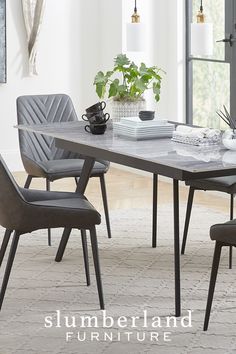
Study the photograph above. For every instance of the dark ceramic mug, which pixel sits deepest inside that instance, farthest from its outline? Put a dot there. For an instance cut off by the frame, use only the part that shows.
(96, 129)
(96, 118)
(146, 115)
(100, 106)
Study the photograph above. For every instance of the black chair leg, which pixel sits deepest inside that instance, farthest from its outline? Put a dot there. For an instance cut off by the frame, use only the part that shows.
(85, 253)
(187, 218)
(28, 181)
(5, 242)
(154, 210)
(10, 261)
(94, 244)
(49, 230)
(231, 218)
(105, 204)
(214, 271)
(62, 245)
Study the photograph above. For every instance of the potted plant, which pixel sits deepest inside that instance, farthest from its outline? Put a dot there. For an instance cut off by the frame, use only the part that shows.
(229, 136)
(126, 84)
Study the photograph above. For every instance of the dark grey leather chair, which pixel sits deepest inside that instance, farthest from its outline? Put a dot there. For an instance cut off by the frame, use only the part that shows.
(25, 211)
(224, 235)
(220, 184)
(40, 156)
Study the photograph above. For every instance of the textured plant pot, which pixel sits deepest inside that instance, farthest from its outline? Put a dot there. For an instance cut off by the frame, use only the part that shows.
(126, 109)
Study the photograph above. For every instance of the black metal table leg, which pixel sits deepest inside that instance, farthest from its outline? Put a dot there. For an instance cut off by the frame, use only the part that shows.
(176, 248)
(81, 186)
(214, 272)
(231, 218)
(85, 174)
(105, 204)
(154, 211)
(187, 218)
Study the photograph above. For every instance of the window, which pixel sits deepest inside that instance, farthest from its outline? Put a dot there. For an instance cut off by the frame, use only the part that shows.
(211, 81)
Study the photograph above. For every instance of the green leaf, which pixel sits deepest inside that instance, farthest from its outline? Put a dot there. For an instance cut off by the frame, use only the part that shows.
(133, 66)
(143, 69)
(113, 88)
(101, 90)
(156, 88)
(122, 89)
(134, 91)
(122, 60)
(109, 74)
(131, 76)
(146, 78)
(100, 78)
(141, 86)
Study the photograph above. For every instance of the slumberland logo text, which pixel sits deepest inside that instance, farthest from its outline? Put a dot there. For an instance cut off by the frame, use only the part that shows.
(123, 329)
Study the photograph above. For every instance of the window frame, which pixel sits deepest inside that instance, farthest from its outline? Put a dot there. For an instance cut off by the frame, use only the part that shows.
(230, 56)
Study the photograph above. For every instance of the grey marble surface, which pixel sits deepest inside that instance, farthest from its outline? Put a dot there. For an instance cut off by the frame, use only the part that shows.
(162, 156)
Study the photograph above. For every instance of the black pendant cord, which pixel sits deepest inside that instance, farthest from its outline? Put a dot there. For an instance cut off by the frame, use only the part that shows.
(201, 7)
(135, 6)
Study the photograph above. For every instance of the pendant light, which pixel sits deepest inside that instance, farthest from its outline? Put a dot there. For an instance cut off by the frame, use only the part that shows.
(135, 33)
(201, 36)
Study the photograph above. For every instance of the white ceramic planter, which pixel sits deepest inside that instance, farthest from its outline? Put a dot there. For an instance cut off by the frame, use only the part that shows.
(126, 109)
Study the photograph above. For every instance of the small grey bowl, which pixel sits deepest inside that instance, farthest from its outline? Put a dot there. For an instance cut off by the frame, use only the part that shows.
(146, 115)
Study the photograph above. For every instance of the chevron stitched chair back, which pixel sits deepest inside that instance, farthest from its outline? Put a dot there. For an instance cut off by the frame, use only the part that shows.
(42, 109)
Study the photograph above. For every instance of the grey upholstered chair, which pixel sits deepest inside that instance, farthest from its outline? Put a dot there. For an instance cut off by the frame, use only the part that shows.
(221, 184)
(40, 156)
(224, 235)
(25, 211)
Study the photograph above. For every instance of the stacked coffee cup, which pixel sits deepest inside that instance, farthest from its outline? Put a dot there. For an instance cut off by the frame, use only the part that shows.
(97, 118)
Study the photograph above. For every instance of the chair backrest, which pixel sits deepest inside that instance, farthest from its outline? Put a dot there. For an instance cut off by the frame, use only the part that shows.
(39, 109)
(11, 199)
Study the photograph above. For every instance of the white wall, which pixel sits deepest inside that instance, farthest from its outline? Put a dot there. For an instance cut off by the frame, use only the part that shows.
(77, 39)
(176, 60)
(68, 57)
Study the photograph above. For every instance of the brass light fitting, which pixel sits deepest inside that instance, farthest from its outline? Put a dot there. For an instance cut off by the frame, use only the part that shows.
(201, 16)
(135, 18)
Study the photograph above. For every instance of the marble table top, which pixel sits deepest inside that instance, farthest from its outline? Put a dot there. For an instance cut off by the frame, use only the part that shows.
(161, 156)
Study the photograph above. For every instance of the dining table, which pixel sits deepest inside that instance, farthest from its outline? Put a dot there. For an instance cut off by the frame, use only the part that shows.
(162, 156)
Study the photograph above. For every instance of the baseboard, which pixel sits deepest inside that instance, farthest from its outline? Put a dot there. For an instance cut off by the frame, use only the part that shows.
(13, 160)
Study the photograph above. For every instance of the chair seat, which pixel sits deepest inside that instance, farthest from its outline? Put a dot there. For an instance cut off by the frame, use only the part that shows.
(225, 233)
(33, 195)
(56, 169)
(223, 184)
(57, 209)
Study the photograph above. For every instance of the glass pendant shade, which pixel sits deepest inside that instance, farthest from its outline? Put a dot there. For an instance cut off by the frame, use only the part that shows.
(202, 39)
(135, 37)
